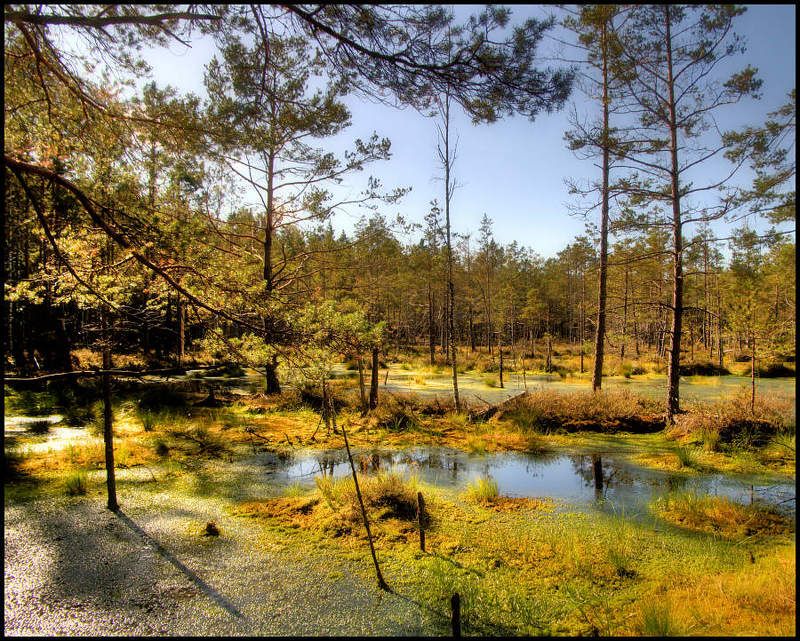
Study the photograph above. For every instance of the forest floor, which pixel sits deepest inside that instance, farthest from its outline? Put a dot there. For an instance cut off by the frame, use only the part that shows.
(293, 559)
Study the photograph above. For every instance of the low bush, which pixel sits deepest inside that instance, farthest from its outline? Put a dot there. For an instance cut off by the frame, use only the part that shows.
(386, 495)
(703, 369)
(38, 427)
(396, 412)
(658, 620)
(607, 411)
(774, 370)
(687, 456)
(734, 423)
(158, 398)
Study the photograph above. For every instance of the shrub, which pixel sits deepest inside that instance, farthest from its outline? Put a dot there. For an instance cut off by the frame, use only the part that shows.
(703, 369)
(388, 492)
(39, 427)
(606, 411)
(76, 484)
(396, 413)
(734, 422)
(774, 370)
(483, 490)
(161, 448)
(12, 458)
(232, 370)
(710, 438)
(491, 381)
(79, 415)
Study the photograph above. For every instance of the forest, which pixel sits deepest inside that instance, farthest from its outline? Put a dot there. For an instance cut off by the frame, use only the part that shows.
(284, 409)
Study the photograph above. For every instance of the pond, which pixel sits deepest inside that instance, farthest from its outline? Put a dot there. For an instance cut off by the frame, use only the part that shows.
(601, 481)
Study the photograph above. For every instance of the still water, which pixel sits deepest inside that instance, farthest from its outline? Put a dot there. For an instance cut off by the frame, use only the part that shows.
(604, 481)
(474, 389)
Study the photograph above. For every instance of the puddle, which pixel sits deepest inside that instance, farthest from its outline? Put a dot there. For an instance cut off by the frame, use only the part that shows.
(603, 481)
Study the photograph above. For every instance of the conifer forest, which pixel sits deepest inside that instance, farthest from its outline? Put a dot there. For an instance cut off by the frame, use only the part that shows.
(399, 320)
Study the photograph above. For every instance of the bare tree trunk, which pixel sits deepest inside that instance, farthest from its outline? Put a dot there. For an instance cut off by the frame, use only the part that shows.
(381, 583)
(181, 329)
(361, 388)
(624, 319)
(471, 331)
(446, 156)
(431, 334)
(753, 377)
(108, 427)
(373, 383)
(271, 366)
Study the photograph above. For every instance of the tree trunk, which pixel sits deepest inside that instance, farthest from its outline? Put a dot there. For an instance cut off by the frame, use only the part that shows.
(600, 332)
(447, 159)
(624, 320)
(108, 428)
(753, 377)
(673, 367)
(431, 334)
(373, 383)
(361, 388)
(271, 372)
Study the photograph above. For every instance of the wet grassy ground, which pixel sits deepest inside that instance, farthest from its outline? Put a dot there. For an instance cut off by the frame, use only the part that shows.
(282, 567)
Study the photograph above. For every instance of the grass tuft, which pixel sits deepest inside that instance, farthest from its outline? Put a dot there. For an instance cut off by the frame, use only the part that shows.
(720, 515)
(483, 490)
(75, 484)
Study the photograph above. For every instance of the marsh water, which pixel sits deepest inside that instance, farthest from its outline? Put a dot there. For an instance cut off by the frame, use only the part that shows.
(598, 481)
(474, 389)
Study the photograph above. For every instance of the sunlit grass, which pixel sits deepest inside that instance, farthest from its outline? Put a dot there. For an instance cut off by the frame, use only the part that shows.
(482, 490)
(719, 515)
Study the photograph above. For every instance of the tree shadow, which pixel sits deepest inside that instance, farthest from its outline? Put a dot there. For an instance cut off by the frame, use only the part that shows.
(204, 587)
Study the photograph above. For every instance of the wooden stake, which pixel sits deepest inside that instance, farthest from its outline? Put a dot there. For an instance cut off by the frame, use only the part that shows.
(420, 520)
(455, 605)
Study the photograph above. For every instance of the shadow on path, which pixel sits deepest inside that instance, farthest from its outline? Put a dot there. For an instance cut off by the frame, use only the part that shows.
(210, 592)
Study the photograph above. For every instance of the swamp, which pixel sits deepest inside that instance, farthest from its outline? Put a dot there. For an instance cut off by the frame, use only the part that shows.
(399, 320)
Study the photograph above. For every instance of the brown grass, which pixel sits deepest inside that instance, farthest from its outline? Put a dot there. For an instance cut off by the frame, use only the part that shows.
(732, 421)
(608, 411)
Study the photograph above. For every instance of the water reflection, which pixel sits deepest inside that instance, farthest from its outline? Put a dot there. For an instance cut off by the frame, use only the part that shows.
(601, 480)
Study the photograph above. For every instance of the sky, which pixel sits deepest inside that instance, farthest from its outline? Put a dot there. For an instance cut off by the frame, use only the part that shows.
(513, 170)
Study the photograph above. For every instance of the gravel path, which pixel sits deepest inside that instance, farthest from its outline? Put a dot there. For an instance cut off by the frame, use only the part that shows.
(74, 568)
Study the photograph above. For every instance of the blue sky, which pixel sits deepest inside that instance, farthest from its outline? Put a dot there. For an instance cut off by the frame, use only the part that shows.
(512, 170)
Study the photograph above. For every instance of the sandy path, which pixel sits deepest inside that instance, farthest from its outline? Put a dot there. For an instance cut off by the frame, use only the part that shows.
(74, 568)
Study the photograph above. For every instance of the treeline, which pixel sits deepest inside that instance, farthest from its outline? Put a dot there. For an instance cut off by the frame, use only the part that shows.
(126, 228)
(506, 295)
